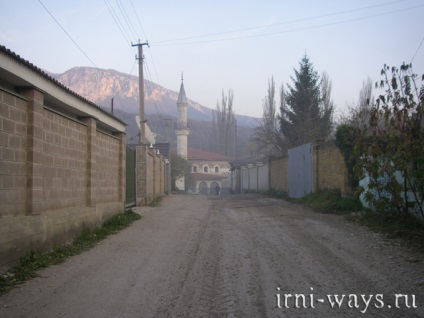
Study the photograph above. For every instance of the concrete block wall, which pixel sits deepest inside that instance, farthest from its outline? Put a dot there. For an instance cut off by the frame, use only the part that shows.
(108, 168)
(330, 169)
(152, 175)
(13, 154)
(278, 174)
(329, 172)
(64, 168)
(58, 175)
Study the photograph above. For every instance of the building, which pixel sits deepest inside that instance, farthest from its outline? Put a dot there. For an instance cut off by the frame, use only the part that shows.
(208, 169)
(182, 129)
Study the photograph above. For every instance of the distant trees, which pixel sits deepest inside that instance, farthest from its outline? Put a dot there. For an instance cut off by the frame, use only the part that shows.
(359, 114)
(306, 110)
(267, 135)
(225, 126)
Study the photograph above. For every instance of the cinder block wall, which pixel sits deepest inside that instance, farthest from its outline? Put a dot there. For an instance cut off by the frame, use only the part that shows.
(107, 172)
(58, 175)
(65, 157)
(13, 156)
(278, 174)
(330, 169)
(152, 173)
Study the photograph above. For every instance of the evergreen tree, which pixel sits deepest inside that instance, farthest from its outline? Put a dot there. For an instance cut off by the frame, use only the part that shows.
(305, 114)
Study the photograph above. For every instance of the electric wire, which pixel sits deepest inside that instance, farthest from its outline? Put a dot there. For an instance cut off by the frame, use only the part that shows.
(126, 18)
(145, 36)
(132, 69)
(158, 43)
(118, 23)
(145, 65)
(154, 102)
(419, 47)
(63, 29)
(138, 18)
(282, 23)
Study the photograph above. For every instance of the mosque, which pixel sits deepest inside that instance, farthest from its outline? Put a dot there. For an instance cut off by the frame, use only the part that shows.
(208, 169)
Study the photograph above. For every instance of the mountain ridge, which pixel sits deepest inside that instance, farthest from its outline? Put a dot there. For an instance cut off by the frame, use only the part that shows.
(101, 85)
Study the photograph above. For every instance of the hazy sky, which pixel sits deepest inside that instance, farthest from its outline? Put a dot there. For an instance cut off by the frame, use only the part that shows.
(221, 45)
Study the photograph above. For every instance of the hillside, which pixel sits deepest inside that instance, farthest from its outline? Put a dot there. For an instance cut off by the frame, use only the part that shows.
(100, 86)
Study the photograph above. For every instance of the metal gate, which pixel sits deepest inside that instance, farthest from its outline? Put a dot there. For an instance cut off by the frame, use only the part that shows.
(130, 178)
(300, 171)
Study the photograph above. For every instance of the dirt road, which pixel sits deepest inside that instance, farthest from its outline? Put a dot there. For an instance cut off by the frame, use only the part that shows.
(230, 256)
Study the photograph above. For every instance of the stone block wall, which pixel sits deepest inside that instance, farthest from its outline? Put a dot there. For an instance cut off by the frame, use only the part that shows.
(330, 169)
(108, 170)
(152, 172)
(58, 174)
(329, 172)
(13, 154)
(278, 174)
(64, 168)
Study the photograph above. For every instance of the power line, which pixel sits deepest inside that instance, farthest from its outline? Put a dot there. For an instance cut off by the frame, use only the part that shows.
(135, 11)
(163, 43)
(282, 23)
(132, 68)
(419, 46)
(145, 35)
(63, 29)
(118, 22)
(126, 18)
(125, 33)
(147, 67)
(154, 102)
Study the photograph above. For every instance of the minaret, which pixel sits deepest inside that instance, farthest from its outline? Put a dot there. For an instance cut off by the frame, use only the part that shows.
(181, 129)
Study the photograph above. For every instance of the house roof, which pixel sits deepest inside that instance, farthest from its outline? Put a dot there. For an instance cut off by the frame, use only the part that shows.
(199, 154)
(207, 176)
(15, 80)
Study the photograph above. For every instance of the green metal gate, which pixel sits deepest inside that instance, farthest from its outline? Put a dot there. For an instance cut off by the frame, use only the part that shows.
(130, 196)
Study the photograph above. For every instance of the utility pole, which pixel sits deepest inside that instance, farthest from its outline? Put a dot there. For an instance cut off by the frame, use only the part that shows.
(141, 91)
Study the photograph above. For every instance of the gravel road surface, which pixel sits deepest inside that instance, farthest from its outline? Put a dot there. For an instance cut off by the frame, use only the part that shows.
(230, 256)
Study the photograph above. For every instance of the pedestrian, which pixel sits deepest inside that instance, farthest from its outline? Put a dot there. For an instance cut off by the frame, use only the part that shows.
(217, 189)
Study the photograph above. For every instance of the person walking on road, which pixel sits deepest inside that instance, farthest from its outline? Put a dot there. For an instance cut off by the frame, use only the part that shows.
(217, 189)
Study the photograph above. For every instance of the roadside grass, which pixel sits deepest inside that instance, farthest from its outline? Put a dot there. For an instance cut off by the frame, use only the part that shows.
(329, 201)
(405, 227)
(35, 260)
(155, 202)
(394, 225)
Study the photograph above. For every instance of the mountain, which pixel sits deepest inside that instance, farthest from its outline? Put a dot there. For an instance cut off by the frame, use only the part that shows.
(100, 86)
